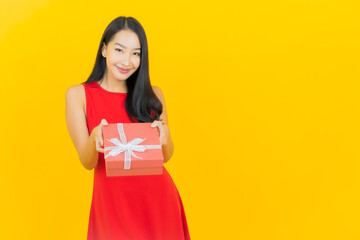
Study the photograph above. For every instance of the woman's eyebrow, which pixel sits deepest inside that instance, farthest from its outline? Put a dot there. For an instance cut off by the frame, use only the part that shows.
(126, 47)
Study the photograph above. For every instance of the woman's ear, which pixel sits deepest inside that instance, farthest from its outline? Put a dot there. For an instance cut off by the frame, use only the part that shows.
(103, 50)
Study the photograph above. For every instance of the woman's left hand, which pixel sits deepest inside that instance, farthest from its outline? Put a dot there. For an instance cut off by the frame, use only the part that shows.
(164, 131)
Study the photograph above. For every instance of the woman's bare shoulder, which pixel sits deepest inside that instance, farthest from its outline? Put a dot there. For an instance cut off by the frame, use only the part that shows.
(75, 90)
(76, 93)
(158, 92)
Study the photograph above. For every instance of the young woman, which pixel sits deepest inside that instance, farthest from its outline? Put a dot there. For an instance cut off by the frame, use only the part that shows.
(119, 90)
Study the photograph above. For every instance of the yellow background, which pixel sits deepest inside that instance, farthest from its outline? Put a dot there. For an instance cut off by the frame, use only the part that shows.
(263, 107)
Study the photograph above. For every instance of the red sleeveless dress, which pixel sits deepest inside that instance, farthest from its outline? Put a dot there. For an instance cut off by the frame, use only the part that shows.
(129, 207)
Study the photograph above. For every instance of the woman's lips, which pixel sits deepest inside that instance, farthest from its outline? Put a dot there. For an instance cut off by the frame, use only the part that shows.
(123, 70)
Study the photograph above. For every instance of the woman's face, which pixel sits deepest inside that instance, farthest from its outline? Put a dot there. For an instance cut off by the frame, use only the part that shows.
(122, 54)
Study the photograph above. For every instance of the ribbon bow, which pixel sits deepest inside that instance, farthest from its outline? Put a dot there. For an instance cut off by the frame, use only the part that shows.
(127, 147)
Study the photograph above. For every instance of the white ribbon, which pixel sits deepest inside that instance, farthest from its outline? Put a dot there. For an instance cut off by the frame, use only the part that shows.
(127, 147)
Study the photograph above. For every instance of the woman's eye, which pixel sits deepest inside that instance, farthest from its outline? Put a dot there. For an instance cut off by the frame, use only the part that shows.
(136, 53)
(118, 49)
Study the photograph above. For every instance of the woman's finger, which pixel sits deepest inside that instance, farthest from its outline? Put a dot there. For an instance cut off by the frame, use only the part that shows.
(98, 147)
(161, 127)
(155, 123)
(102, 122)
(100, 150)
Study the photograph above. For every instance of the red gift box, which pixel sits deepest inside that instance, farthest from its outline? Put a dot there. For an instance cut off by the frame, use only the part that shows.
(132, 149)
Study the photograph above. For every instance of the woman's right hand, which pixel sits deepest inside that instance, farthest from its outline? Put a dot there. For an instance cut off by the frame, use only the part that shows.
(97, 134)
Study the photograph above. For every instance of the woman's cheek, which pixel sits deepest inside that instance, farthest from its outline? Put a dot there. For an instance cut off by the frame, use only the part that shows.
(136, 61)
(115, 58)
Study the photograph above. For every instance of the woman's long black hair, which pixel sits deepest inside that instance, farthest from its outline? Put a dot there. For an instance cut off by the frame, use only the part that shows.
(140, 99)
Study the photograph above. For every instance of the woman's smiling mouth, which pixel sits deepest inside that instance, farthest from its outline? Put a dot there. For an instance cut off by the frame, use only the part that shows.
(123, 70)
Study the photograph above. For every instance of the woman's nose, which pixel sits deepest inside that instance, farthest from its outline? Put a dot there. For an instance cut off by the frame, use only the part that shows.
(125, 59)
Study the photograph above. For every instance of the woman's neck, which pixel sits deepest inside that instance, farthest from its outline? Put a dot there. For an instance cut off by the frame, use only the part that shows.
(113, 85)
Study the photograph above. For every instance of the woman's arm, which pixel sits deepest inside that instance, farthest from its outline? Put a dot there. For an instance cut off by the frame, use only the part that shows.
(165, 137)
(76, 125)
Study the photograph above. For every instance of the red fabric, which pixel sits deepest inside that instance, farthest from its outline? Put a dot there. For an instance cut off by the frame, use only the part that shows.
(129, 207)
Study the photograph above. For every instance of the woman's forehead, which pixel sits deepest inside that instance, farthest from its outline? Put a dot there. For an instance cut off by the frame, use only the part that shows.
(126, 39)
